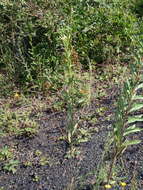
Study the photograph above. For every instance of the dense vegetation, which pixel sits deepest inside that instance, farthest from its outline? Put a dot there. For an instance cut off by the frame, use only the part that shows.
(65, 53)
(31, 46)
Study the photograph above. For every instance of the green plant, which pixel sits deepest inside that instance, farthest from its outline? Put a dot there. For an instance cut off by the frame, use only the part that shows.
(25, 40)
(106, 29)
(73, 152)
(43, 161)
(35, 178)
(69, 94)
(6, 86)
(5, 153)
(30, 46)
(128, 103)
(6, 156)
(11, 166)
(138, 8)
(27, 164)
(14, 123)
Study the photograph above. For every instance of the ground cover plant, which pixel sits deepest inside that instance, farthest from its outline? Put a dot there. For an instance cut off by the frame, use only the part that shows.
(71, 95)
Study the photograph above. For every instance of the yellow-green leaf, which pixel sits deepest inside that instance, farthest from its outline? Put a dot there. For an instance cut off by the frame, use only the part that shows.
(136, 107)
(132, 142)
(133, 119)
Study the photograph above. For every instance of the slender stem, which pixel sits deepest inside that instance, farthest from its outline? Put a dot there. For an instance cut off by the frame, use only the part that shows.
(111, 167)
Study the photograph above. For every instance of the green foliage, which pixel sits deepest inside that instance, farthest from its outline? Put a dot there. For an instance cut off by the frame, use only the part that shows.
(30, 46)
(126, 106)
(69, 94)
(12, 123)
(6, 85)
(6, 157)
(11, 166)
(5, 153)
(27, 41)
(107, 30)
(125, 120)
(138, 9)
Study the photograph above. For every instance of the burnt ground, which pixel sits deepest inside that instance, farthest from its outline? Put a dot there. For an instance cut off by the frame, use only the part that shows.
(43, 161)
(59, 171)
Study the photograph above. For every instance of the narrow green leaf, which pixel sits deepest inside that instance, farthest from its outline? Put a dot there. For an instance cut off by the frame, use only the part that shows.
(139, 86)
(74, 128)
(69, 137)
(131, 127)
(137, 97)
(132, 142)
(133, 119)
(82, 140)
(136, 107)
(131, 130)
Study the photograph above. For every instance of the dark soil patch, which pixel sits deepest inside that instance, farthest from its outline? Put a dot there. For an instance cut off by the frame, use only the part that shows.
(43, 165)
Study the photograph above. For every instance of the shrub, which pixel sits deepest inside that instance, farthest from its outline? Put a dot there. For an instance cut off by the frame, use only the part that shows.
(107, 31)
(30, 47)
(28, 39)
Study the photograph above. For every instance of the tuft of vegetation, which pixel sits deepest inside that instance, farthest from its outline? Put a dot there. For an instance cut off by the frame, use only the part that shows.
(13, 123)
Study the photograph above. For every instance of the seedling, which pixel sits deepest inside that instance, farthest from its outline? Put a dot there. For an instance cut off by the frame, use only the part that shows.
(14, 123)
(11, 166)
(35, 178)
(72, 153)
(5, 153)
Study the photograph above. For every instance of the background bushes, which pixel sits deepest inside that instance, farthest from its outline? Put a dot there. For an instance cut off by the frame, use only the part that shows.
(31, 50)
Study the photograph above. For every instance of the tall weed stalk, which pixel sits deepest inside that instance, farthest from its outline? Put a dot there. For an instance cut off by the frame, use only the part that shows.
(69, 80)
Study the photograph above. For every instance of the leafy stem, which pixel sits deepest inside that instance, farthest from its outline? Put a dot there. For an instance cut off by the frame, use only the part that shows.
(124, 123)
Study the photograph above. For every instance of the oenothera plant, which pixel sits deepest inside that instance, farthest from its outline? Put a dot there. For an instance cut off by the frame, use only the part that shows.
(127, 114)
(69, 94)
